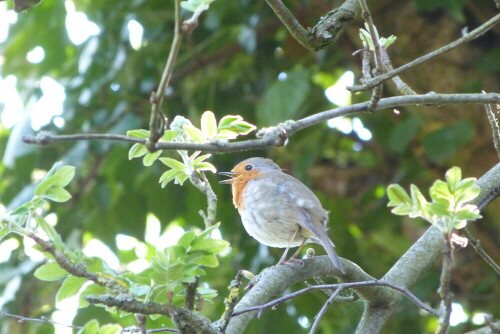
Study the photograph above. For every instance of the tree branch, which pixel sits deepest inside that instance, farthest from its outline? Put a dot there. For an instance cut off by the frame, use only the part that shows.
(326, 30)
(369, 84)
(270, 138)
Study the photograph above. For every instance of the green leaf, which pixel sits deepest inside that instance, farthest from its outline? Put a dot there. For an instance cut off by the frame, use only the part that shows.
(465, 195)
(50, 271)
(205, 166)
(453, 176)
(208, 260)
(284, 99)
(181, 179)
(141, 133)
(150, 158)
(110, 329)
(91, 327)
(169, 135)
(168, 176)
(208, 124)
(397, 195)
(58, 195)
(208, 230)
(419, 200)
(49, 230)
(46, 184)
(468, 212)
(186, 239)
(174, 164)
(70, 287)
(439, 189)
(64, 176)
(194, 134)
(440, 208)
(136, 151)
(402, 210)
(213, 246)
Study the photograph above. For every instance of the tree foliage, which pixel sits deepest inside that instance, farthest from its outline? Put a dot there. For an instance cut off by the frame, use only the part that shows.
(238, 70)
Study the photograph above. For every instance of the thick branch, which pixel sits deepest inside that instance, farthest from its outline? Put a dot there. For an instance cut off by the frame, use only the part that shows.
(325, 32)
(130, 304)
(274, 138)
(369, 84)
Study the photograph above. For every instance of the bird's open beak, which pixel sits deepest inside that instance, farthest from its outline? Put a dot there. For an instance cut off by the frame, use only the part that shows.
(230, 174)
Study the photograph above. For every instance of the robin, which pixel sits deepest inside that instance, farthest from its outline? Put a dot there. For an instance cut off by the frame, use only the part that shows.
(277, 209)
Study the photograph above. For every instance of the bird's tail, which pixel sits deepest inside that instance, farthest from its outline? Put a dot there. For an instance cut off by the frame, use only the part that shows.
(330, 250)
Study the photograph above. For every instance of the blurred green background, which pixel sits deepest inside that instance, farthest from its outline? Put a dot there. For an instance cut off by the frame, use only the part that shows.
(90, 66)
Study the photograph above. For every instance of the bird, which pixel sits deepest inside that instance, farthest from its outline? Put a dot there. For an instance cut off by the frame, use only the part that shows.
(277, 209)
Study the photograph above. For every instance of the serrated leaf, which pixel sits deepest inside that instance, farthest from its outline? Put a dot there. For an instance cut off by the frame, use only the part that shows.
(58, 195)
(208, 124)
(419, 200)
(174, 164)
(439, 189)
(70, 287)
(150, 158)
(194, 134)
(64, 176)
(50, 271)
(453, 176)
(136, 151)
(186, 239)
(213, 246)
(397, 195)
(464, 195)
(140, 133)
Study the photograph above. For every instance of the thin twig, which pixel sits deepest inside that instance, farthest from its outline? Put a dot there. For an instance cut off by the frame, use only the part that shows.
(141, 323)
(21, 319)
(291, 127)
(401, 86)
(466, 38)
(156, 122)
(476, 244)
(401, 289)
(321, 312)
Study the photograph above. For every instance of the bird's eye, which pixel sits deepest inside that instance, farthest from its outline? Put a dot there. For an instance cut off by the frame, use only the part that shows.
(248, 167)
